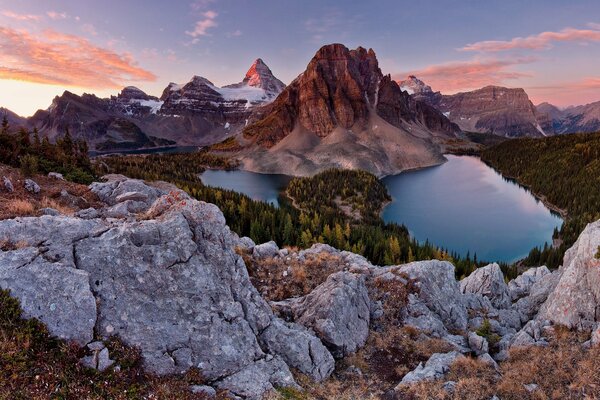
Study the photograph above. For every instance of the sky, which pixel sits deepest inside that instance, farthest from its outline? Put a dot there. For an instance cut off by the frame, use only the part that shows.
(550, 48)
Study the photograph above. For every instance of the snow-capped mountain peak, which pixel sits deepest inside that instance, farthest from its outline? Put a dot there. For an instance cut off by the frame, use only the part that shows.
(260, 76)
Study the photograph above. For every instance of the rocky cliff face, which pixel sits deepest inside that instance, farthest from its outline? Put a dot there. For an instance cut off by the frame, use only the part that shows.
(492, 109)
(163, 272)
(195, 113)
(343, 92)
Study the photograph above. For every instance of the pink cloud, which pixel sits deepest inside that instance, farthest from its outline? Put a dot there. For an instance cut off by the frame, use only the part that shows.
(464, 75)
(537, 42)
(202, 26)
(21, 17)
(62, 59)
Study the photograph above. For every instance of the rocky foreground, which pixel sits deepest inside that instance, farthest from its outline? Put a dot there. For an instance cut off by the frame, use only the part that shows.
(164, 273)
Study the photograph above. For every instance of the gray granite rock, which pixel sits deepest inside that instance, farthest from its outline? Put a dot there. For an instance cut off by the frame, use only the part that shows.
(521, 285)
(532, 334)
(206, 391)
(529, 305)
(49, 211)
(478, 344)
(299, 348)
(438, 300)
(31, 186)
(8, 185)
(56, 175)
(574, 301)
(256, 379)
(266, 250)
(169, 283)
(489, 282)
(435, 368)
(338, 311)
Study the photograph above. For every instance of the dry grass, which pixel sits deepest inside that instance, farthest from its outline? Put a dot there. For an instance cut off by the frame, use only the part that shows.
(19, 207)
(282, 278)
(22, 203)
(52, 203)
(562, 370)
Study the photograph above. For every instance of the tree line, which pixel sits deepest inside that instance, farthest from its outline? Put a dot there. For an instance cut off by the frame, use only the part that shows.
(565, 170)
(32, 154)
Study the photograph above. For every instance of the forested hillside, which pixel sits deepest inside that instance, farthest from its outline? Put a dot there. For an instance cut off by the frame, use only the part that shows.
(565, 170)
(33, 155)
(318, 218)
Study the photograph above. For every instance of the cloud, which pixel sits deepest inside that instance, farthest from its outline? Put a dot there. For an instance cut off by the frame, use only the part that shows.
(89, 29)
(62, 59)
(57, 15)
(21, 17)
(540, 41)
(235, 33)
(202, 26)
(319, 27)
(471, 74)
(201, 4)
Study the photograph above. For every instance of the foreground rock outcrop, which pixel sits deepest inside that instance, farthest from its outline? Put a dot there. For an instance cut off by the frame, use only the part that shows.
(164, 277)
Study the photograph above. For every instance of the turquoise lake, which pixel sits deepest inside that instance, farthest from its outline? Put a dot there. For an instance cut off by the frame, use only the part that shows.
(462, 205)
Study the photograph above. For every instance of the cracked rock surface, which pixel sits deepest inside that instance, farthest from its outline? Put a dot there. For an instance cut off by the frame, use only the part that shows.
(165, 278)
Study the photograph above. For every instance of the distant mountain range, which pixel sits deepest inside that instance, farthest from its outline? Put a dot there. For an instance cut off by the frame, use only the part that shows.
(194, 113)
(342, 111)
(505, 111)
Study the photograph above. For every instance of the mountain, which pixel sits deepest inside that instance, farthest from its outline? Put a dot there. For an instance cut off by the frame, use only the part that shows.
(260, 76)
(343, 112)
(195, 113)
(492, 109)
(579, 119)
(14, 120)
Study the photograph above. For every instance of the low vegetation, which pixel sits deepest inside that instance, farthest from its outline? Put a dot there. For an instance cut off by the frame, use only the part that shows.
(61, 195)
(565, 170)
(25, 150)
(34, 365)
(562, 370)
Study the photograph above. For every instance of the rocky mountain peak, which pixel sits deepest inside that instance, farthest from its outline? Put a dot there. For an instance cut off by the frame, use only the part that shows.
(260, 76)
(133, 93)
(413, 85)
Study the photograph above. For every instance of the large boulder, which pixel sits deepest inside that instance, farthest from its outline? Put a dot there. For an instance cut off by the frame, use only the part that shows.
(529, 305)
(435, 368)
(438, 300)
(574, 302)
(338, 311)
(266, 250)
(299, 348)
(522, 284)
(489, 282)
